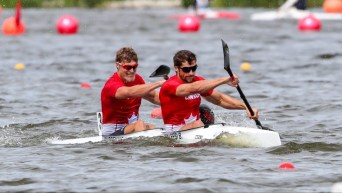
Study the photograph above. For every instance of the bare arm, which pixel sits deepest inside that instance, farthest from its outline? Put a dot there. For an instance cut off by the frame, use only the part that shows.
(137, 91)
(225, 101)
(228, 102)
(204, 86)
(153, 97)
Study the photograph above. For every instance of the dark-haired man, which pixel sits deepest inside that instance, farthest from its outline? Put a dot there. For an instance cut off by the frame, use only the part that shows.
(180, 96)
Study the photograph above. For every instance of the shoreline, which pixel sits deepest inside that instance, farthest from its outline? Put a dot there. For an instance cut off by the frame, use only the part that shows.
(144, 4)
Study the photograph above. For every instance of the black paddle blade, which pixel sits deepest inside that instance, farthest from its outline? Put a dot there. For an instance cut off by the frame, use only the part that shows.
(161, 71)
(226, 58)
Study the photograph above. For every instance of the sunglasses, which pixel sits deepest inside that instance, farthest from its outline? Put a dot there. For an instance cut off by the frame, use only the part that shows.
(129, 67)
(188, 69)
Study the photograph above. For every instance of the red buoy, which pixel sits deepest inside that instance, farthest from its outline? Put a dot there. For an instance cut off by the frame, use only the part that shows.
(188, 23)
(85, 85)
(156, 113)
(286, 165)
(332, 6)
(309, 23)
(67, 24)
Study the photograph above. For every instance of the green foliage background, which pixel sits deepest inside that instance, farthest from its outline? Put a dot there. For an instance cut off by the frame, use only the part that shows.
(252, 3)
(185, 3)
(55, 3)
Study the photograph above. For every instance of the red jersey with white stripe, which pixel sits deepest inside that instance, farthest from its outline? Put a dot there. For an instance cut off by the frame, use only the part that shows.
(119, 111)
(179, 110)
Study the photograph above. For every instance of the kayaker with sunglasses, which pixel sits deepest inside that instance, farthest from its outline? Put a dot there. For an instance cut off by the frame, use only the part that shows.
(180, 96)
(122, 93)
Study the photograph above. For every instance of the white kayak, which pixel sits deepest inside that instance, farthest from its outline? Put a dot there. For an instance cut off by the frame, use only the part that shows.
(293, 13)
(230, 135)
(235, 136)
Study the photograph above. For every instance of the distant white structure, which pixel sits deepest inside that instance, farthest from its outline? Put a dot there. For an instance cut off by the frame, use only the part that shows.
(289, 11)
(201, 4)
(145, 3)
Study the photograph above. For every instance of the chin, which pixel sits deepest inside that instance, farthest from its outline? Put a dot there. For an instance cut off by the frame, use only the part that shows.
(129, 78)
(189, 79)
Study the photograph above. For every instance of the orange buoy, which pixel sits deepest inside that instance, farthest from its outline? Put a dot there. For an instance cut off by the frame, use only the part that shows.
(11, 27)
(14, 25)
(332, 6)
(156, 113)
(67, 24)
(188, 23)
(309, 23)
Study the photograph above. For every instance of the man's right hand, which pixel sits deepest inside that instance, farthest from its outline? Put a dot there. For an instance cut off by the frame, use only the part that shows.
(233, 81)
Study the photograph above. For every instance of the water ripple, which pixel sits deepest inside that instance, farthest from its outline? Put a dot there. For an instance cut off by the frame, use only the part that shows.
(292, 147)
(18, 182)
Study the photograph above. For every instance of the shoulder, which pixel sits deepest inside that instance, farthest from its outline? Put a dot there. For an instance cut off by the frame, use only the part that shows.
(112, 83)
(139, 79)
(171, 84)
(173, 80)
(197, 78)
(112, 80)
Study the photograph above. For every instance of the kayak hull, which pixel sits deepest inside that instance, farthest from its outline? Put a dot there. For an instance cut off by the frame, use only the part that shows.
(234, 136)
(209, 14)
(294, 14)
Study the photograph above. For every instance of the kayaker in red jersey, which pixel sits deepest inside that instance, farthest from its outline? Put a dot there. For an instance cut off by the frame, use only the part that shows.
(121, 96)
(180, 96)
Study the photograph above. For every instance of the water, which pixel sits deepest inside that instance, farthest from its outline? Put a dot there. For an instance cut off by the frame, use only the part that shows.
(294, 83)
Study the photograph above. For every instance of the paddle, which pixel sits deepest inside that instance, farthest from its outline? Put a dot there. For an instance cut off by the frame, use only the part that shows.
(227, 68)
(161, 71)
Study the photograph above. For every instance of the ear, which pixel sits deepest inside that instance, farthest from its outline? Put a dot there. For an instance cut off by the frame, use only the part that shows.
(117, 65)
(176, 69)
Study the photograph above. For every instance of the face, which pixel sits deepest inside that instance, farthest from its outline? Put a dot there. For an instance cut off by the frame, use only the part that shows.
(127, 70)
(186, 71)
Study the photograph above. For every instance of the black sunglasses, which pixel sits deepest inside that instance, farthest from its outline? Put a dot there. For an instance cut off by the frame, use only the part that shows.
(189, 68)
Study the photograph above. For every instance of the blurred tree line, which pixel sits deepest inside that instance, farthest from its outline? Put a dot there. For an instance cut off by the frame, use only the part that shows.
(185, 3)
(252, 3)
(55, 3)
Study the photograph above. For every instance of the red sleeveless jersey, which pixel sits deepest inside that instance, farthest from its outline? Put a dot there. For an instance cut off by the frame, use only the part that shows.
(119, 111)
(177, 110)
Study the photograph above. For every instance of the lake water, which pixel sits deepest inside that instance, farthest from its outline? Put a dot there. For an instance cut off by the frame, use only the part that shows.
(294, 82)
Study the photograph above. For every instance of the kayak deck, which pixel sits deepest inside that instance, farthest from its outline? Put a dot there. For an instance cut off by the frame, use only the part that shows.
(229, 135)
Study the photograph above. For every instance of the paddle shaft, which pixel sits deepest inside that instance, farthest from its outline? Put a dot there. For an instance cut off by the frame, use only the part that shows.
(243, 97)
(227, 68)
